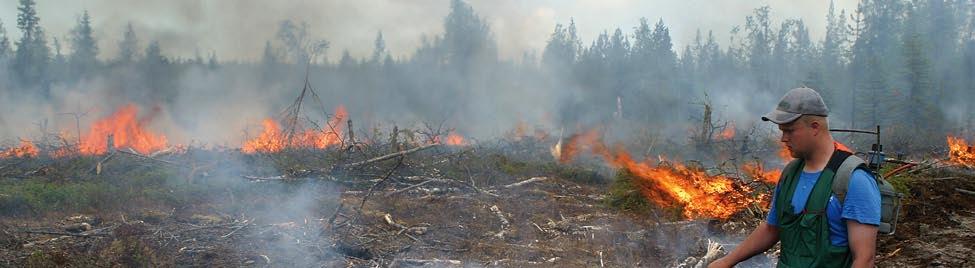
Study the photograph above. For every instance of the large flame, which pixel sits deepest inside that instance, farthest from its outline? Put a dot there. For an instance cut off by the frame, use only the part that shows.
(127, 130)
(699, 194)
(675, 184)
(273, 139)
(960, 153)
(26, 149)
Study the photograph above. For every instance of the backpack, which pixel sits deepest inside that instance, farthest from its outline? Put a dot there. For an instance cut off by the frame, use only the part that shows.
(890, 199)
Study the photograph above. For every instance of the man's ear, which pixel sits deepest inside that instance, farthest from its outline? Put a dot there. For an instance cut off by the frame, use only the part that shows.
(815, 126)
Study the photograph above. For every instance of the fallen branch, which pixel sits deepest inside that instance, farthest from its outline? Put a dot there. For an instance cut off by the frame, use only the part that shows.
(411, 187)
(392, 155)
(440, 181)
(150, 158)
(968, 192)
(246, 223)
(419, 262)
(89, 233)
(271, 178)
(85, 234)
(937, 179)
(533, 179)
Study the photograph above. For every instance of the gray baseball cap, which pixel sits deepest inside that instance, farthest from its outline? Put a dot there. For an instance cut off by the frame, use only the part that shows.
(795, 103)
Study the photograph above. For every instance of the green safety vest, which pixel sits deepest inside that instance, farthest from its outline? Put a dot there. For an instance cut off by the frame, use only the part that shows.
(805, 236)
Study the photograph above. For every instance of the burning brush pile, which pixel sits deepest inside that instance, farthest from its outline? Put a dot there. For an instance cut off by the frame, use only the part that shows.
(669, 184)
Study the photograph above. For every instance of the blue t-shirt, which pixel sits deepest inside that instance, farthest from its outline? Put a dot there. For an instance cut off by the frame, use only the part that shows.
(862, 203)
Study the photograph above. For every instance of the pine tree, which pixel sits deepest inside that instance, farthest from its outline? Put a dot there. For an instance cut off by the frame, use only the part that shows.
(33, 55)
(665, 60)
(5, 49)
(212, 62)
(561, 51)
(59, 63)
(270, 64)
(467, 40)
(759, 44)
(84, 49)
(920, 109)
(129, 46)
(159, 73)
(830, 75)
(379, 48)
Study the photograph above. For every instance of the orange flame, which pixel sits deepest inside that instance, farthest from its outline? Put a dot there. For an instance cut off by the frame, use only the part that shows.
(757, 172)
(784, 153)
(455, 139)
(272, 139)
(728, 132)
(841, 147)
(26, 149)
(960, 153)
(700, 194)
(127, 131)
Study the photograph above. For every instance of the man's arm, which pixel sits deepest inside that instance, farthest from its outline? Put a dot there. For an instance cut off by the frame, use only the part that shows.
(863, 243)
(760, 240)
(861, 211)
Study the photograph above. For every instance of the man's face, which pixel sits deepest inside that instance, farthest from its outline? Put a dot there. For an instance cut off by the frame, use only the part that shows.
(798, 137)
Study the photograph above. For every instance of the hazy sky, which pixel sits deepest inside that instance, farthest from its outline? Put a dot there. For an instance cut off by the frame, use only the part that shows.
(238, 28)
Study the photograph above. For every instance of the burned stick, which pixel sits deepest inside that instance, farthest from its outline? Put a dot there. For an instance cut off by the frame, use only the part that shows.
(389, 220)
(97, 169)
(331, 220)
(373, 188)
(352, 142)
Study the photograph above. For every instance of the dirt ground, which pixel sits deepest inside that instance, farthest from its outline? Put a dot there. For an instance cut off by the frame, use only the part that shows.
(937, 225)
(546, 223)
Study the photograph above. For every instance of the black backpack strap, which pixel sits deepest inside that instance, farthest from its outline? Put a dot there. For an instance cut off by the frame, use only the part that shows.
(836, 160)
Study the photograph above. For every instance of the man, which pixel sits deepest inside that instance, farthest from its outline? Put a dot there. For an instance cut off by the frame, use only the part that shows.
(815, 228)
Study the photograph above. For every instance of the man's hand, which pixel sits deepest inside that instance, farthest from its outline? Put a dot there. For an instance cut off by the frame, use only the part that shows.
(863, 242)
(763, 238)
(721, 263)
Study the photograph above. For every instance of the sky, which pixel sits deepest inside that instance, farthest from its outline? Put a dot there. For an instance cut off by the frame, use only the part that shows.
(238, 29)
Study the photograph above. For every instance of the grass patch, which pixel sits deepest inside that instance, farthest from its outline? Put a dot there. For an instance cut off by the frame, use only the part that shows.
(624, 195)
(545, 167)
